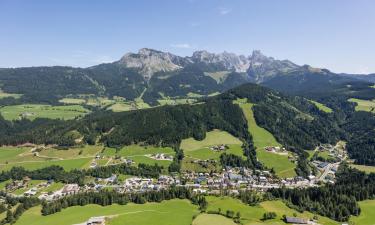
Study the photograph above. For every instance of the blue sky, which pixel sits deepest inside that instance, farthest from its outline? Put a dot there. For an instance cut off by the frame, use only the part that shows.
(335, 34)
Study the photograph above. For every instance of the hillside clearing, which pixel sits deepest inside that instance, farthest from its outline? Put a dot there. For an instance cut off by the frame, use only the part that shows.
(321, 106)
(212, 219)
(367, 216)
(136, 214)
(215, 137)
(33, 111)
(363, 105)
(263, 138)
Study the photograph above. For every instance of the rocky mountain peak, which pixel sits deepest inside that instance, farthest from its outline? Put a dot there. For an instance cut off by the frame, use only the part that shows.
(149, 61)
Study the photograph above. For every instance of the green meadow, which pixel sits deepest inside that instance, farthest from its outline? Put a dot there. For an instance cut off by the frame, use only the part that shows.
(33, 111)
(212, 219)
(364, 105)
(67, 164)
(367, 169)
(321, 106)
(173, 212)
(73, 158)
(252, 215)
(200, 150)
(367, 216)
(215, 137)
(138, 154)
(262, 138)
(207, 153)
(8, 95)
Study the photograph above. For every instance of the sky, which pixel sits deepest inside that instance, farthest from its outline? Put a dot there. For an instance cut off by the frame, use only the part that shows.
(335, 34)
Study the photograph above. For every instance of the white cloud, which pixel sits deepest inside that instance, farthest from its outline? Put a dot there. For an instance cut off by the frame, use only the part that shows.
(224, 11)
(184, 45)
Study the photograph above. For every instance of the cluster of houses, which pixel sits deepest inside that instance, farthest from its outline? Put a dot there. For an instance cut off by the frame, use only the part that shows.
(68, 189)
(275, 149)
(221, 147)
(327, 170)
(17, 184)
(161, 156)
(338, 151)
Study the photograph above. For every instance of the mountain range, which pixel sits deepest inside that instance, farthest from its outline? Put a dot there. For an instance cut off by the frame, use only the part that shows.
(151, 74)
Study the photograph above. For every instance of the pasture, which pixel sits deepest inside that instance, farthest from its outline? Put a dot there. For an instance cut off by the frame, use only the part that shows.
(215, 137)
(136, 214)
(252, 215)
(363, 105)
(321, 106)
(73, 158)
(8, 95)
(206, 153)
(367, 216)
(138, 154)
(262, 138)
(367, 169)
(212, 219)
(33, 111)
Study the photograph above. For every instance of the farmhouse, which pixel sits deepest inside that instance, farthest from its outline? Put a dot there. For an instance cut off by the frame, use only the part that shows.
(296, 220)
(94, 221)
(70, 189)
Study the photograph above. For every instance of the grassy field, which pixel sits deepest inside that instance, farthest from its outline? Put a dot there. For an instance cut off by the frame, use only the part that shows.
(72, 153)
(367, 216)
(12, 154)
(367, 169)
(212, 219)
(74, 158)
(214, 137)
(173, 212)
(262, 138)
(206, 153)
(33, 111)
(281, 209)
(88, 100)
(364, 105)
(280, 163)
(137, 154)
(67, 164)
(321, 106)
(252, 215)
(7, 95)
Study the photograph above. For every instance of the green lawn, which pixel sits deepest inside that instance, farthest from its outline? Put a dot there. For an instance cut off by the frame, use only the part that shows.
(280, 163)
(207, 153)
(367, 169)
(214, 137)
(281, 209)
(137, 153)
(252, 215)
(173, 212)
(32, 111)
(67, 164)
(72, 153)
(367, 216)
(7, 95)
(321, 106)
(248, 213)
(262, 138)
(364, 105)
(9, 154)
(121, 107)
(212, 219)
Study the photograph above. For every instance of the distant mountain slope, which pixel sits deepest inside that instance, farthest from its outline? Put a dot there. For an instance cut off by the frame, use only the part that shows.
(159, 74)
(315, 83)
